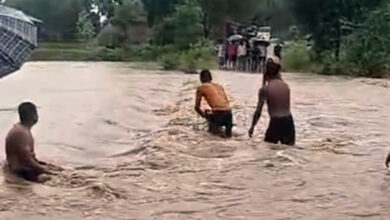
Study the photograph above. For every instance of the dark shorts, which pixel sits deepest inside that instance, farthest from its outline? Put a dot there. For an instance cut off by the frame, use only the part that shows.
(221, 119)
(233, 58)
(281, 130)
(221, 61)
(27, 174)
(242, 59)
(255, 59)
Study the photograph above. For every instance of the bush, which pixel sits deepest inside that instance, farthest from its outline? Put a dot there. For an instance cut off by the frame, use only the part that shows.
(366, 51)
(182, 28)
(170, 61)
(199, 56)
(111, 37)
(368, 47)
(297, 56)
(107, 54)
(151, 52)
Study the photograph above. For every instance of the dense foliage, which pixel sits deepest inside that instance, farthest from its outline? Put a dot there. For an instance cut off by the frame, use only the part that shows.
(340, 36)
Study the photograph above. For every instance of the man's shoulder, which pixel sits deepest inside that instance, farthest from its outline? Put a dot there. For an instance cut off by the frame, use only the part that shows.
(279, 85)
(207, 85)
(17, 132)
(218, 86)
(284, 83)
(263, 89)
(200, 87)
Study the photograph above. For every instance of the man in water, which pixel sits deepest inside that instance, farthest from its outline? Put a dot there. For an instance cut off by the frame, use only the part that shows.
(220, 114)
(21, 159)
(277, 95)
(388, 161)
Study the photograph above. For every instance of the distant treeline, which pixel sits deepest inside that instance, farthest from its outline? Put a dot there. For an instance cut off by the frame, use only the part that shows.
(340, 35)
(62, 19)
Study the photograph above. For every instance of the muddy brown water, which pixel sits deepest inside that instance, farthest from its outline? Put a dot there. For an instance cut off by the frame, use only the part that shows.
(134, 148)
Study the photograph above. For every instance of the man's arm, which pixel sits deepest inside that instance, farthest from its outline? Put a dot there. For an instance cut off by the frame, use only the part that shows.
(259, 109)
(198, 101)
(226, 96)
(36, 159)
(46, 165)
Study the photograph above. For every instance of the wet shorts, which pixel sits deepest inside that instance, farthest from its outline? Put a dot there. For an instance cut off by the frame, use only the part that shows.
(281, 129)
(221, 118)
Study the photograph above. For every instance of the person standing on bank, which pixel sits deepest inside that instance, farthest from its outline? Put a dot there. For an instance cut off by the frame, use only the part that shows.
(220, 114)
(278, 51)
(276, 93)
(242, 53)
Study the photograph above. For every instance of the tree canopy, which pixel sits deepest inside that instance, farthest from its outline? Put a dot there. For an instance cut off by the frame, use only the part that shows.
(327, 21)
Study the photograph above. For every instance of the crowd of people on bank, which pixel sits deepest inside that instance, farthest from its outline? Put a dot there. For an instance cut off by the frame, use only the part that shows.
(245, 56)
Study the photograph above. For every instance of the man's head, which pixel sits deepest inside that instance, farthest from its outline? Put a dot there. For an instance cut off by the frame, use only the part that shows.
(273, 68)
(28, 114)
(205, 76)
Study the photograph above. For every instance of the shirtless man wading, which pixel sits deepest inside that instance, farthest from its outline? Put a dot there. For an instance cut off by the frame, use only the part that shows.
(21, 159)
(220, 114)
(277, 95)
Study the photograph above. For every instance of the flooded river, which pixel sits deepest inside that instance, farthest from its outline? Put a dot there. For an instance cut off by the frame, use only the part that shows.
(135, 149)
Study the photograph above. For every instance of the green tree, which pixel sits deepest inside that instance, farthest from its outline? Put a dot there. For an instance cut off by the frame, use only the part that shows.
(215, 13)
(182, 27)
(85, 28)
(368, 47)
(158, 9)
(60, 17)
(104, 7)
(326, 20)
(126, 13)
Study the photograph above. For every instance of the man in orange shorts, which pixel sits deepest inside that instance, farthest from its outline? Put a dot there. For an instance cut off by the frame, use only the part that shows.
(220, 114)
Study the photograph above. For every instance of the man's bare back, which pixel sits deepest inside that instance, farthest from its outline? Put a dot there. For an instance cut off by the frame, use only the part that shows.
(277, 94)
(220, 114)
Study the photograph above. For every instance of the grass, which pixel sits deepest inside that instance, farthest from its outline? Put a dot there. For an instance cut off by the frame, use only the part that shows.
(63, 52)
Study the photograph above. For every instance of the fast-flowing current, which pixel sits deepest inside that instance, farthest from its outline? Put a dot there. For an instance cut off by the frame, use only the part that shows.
(133, 147)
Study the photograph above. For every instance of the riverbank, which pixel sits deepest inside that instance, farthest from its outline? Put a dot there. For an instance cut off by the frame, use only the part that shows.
(296, 58)
(299, 56)
(169, 57)
(63, 52)
(78, 51)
